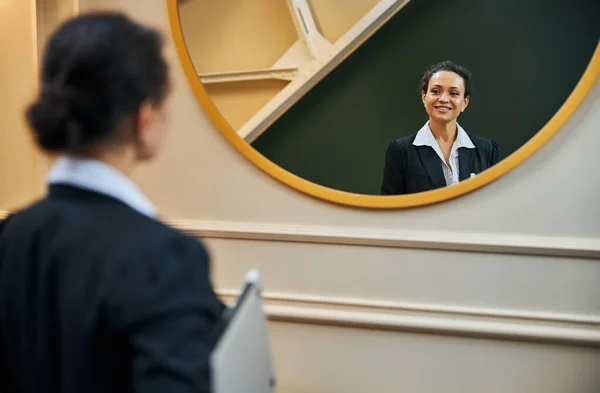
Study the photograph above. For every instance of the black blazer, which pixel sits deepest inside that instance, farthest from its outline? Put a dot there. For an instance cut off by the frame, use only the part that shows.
(96, 297)
(410, 169)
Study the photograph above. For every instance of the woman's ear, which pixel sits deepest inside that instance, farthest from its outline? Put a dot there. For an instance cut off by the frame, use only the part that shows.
(143, 120)
(423, 98)
(465, 103)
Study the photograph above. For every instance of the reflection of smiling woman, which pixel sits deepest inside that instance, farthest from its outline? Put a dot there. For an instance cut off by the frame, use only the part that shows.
(441, 153)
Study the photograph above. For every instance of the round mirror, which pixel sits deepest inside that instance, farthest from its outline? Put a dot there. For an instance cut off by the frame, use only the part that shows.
(388, 103)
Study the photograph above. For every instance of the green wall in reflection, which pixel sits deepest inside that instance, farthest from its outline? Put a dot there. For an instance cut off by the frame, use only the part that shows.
(526, 56)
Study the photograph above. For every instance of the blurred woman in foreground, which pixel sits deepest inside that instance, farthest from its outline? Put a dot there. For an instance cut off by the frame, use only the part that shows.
(96, 295)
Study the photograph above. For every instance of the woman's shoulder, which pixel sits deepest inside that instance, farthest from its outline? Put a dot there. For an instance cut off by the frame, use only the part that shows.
(404, 141)
(488, 148)
(114, 225)
(401, 144)
(156, 237)
(483, 142)
(172, 244)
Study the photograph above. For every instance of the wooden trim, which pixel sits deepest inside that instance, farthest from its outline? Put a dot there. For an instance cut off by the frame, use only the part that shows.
(528, 332)
(549, 246)
(471, 322)
(536, 328)
(376, 305)
(516, 244)
(509, 325)
(566, 111)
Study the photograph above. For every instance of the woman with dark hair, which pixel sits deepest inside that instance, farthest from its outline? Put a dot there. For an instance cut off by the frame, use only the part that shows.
(442, 153)
(96, 295)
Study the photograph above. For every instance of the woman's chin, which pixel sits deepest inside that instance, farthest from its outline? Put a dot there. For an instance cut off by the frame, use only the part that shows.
(442, 118)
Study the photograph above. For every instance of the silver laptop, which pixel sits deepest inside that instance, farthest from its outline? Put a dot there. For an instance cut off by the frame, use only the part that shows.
(241, 361)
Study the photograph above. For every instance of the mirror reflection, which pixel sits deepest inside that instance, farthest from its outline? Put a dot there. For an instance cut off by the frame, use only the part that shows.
(388, 97)
(441, 153)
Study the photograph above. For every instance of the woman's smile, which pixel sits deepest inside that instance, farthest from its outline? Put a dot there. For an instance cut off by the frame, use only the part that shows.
(443, 108)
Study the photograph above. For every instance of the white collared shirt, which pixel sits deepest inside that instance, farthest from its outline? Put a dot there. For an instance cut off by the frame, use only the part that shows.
(96, 176)
(425, 138)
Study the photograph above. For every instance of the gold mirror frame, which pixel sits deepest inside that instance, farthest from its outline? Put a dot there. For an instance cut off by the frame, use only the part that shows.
(568, 108)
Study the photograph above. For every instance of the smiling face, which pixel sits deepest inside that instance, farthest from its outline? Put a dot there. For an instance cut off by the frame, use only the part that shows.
(445, 98)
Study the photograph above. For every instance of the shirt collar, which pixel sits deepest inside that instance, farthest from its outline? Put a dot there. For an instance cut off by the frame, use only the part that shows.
(96, 176)
(425, 138)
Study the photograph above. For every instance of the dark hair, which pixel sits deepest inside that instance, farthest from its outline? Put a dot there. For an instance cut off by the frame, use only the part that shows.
(97, 69)
(447, 66)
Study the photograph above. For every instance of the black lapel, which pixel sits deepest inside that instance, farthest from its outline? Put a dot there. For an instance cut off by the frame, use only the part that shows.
(465, 162)
(433, 165)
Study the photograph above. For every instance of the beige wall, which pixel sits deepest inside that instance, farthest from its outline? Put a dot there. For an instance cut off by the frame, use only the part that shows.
(20, 164)
(24, 26)
(496, 291)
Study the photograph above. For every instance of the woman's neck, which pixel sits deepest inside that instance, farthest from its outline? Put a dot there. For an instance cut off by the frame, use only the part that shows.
(121, 159)
(445, 132)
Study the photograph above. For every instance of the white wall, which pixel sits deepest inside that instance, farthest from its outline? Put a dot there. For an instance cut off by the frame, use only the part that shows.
(496, 291)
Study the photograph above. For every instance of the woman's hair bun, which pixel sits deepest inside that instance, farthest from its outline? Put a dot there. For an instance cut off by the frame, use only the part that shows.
(97, 70)
(52, 120)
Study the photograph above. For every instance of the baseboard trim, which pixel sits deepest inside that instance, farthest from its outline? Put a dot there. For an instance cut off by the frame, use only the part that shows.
(571, 247)
(508, 325)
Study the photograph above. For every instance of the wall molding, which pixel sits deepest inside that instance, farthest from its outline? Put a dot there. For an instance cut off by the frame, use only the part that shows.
(507, 325)
(471, 322)
(440, 326)
(557, 246)
(549, 246)
(305, 300)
